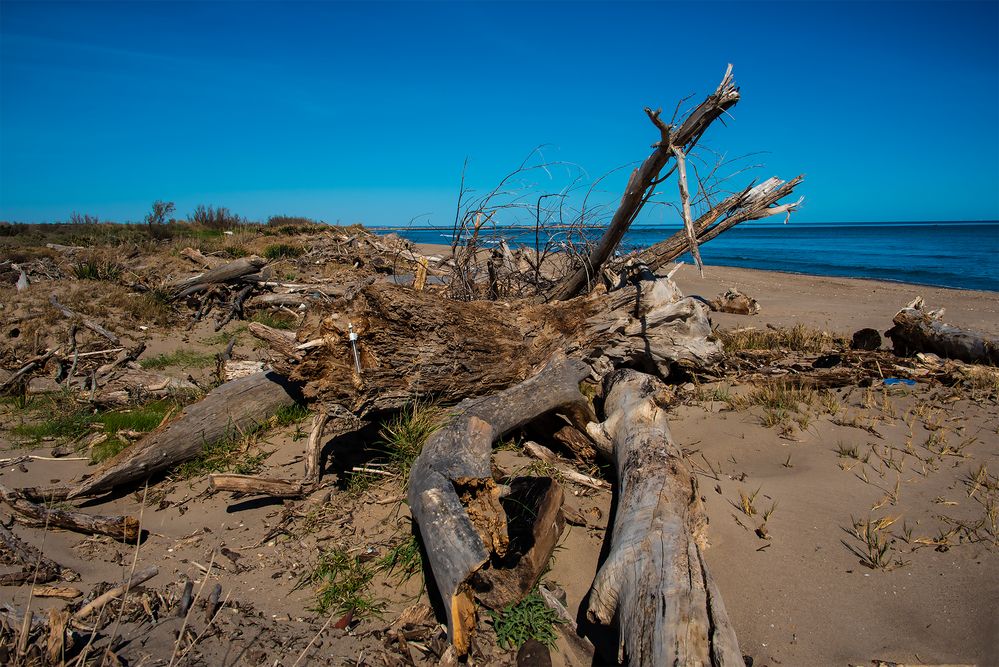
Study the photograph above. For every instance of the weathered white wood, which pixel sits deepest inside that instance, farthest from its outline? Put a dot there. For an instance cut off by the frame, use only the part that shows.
(920, 330)
(655, 582)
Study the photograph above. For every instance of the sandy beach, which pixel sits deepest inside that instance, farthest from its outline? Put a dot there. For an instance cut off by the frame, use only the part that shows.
(789, 562)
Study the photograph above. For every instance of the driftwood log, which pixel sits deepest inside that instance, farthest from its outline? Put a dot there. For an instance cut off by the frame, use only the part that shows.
(454, 499)
(124, 528)
(227, 411)
(753, 203)
(223, 274)
(655, 581)
(920, 330)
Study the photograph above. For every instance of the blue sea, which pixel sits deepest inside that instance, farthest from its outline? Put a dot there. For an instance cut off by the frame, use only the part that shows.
(962, 255)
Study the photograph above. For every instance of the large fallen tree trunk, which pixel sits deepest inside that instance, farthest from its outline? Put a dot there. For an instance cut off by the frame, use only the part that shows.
(454, 499)
(655, 581)
(414, 344)
(226, 412)
(920, 330)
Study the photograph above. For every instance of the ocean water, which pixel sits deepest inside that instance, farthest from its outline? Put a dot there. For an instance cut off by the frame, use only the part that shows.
(962, 255)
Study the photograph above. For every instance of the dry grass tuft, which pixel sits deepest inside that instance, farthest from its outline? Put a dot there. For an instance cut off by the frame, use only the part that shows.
(798, 338)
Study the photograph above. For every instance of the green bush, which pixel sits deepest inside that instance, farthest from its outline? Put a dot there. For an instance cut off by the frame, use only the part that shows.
(283, 251)
(213, 218)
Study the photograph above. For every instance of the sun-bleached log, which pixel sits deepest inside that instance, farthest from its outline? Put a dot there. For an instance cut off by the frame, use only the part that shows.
(654, 581)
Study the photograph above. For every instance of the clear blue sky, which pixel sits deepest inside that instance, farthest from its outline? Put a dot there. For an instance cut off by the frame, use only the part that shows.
(366, 112)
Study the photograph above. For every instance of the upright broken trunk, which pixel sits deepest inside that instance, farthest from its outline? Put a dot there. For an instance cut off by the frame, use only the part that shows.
(454, 499)
(655, 581)
(920, 330)
(228, 411)
(642, 184)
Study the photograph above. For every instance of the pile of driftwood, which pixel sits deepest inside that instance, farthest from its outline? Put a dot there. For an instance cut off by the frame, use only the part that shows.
(593, 348)
(249, 283)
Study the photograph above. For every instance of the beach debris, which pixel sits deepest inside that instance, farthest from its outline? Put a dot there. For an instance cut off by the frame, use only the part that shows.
(918, 329)
(735, 302)
(866, 339)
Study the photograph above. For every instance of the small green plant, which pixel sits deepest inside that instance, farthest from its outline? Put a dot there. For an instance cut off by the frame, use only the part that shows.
(530, 618)
(181, 358)
(830, 404)
(277, 251)
(874, 549)
(403, 435)
(93, 268)
(781, 396)
(342, 582)
(291, 414)
(236, 453)
(773, 418)
(845, 451)
(747, 502)
(403, 559)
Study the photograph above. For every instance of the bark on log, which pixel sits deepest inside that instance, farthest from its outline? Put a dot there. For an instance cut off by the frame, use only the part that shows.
(415, 344)
(920, 330)
(232, 408)
(123, 528)
(642, 184)
(655, 581)
(453, 497)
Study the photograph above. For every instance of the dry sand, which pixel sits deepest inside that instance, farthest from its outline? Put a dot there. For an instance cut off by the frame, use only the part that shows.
(800, 597)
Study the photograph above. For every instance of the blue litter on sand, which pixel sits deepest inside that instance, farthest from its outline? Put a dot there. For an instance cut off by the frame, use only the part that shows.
(894, 381)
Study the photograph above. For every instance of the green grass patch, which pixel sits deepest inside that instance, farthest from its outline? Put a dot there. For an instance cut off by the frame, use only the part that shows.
(236, 453)
(181, 358)
(402, 436)
(402, 560)
(291, 414)
(275, 320)
(277, 251)
(342, 583)
(97, 269)
(72, 422)
(530, 618)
